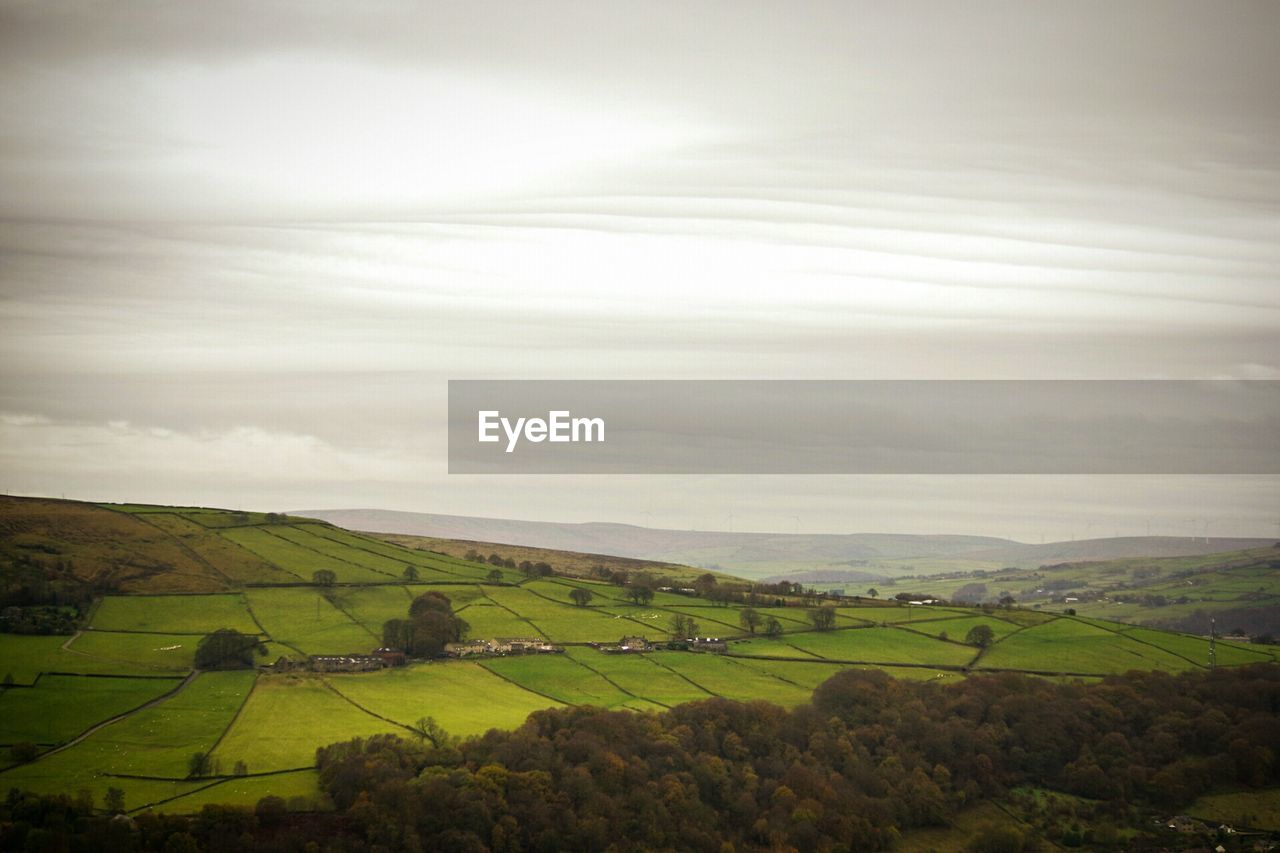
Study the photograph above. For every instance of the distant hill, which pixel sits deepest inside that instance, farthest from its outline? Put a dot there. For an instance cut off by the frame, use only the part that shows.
(771, 554)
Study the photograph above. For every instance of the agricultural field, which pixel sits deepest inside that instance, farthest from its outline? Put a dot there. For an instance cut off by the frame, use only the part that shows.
(172, 614)
(59, 707)
(193, 571)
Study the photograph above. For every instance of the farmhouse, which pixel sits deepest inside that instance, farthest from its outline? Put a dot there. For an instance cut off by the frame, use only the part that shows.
(628, 645)
(466, 649)
(346, 663)
(708, 644)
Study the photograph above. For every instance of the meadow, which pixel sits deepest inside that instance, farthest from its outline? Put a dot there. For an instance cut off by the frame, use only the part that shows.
(198, 570)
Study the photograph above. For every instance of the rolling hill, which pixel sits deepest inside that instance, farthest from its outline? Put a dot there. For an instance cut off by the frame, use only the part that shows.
(119, 703)
(760, 555)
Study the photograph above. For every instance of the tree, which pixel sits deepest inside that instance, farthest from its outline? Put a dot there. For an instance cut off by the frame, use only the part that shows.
(227, 648)
(323, 577)
(270, 810)
(241, 769)
(114, 801)
(494, 576)
(410, 574)
(580, 596)
(683, 627)
(427, 729)
(750, 618)
(640, 593)
(201, 764)
(980, 636)
(873, 592)
(1007, 601)
(772, 627)
(823, 618)
(24, 751)
(397, 634)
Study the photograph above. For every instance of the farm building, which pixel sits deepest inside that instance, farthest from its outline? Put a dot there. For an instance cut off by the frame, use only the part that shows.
(346, 663)
(466, 649)
(391, 657)
(708, 644)
(628, 644)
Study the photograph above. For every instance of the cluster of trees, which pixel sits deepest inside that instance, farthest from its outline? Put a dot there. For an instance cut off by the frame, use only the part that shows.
(530, 568)
(868, 758)
(41, 595)
(227, 648)
(431, 624)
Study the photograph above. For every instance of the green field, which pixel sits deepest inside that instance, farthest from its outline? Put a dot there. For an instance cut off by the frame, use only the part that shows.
(173, 614)
(1075, 646)
(304, 619)
(301, 713)
(465, 698)
(155, 742)
(60, 707)
(193, 571)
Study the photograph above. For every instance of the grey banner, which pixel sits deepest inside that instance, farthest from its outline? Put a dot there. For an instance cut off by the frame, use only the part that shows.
(864, 427)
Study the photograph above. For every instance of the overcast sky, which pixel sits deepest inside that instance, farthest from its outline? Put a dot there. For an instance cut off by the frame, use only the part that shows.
(243, 246)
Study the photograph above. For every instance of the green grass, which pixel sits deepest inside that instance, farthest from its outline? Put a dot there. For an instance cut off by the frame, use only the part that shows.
(60, 707)
(1075, 646)
(393, 558)
(1251, 809)
(487, 621)
(863, 645)
(371, 606)
(1197, 648)
(230, 560)
(304, 619)
(733, 680)
(181, 614)
(300, 788)
(562, 622)
(641, 675)
(157, 741)
(463, 697)
(273, 545)
(956, 629)
(286, 718)
(152, 652)
(564, 679)
(25, 657)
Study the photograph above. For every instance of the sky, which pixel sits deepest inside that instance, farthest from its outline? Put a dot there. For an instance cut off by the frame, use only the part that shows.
(244, 246)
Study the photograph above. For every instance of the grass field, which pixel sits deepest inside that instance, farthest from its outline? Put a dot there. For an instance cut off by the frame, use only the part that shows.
(60, 707)
(155, 742)
(25, 657)
(254, 575)
(862, 645)
(179, 614)
(1241, 809)
(305, 620)
(301, 713)
(1075, 646)
(150, 652)
(465, 698)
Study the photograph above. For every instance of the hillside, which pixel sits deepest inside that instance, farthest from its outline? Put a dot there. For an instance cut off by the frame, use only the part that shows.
(119, 703)
(759, 555)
